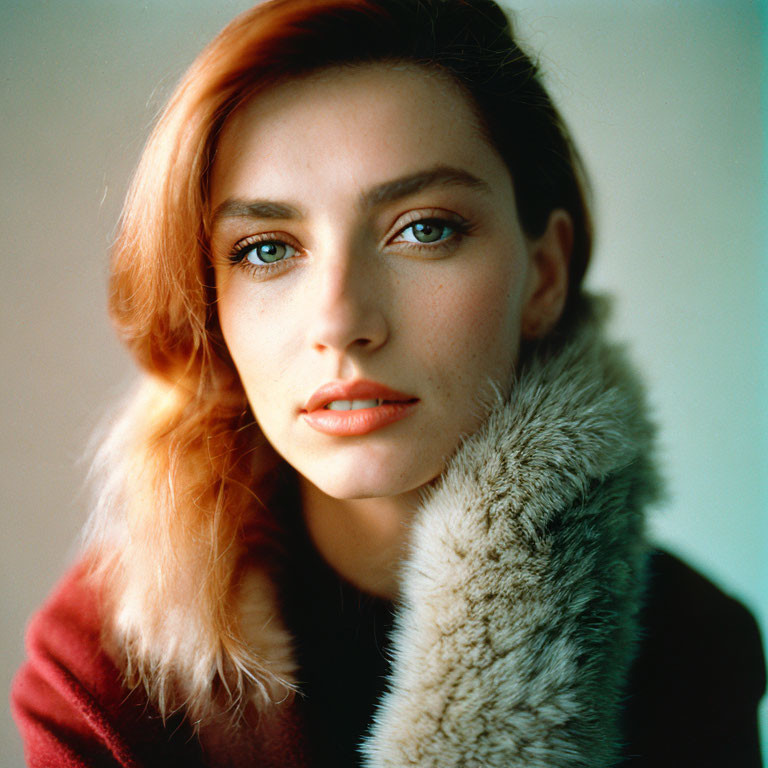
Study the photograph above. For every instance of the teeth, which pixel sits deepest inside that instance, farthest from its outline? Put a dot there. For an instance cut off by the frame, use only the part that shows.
(352, 405)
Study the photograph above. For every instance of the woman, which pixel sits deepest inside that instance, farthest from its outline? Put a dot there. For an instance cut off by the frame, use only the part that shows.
(380, 494)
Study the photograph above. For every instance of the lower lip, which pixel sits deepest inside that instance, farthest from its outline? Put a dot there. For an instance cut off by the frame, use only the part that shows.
(358, 422)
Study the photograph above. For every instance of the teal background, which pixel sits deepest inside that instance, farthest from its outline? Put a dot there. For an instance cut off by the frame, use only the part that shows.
(668, 103)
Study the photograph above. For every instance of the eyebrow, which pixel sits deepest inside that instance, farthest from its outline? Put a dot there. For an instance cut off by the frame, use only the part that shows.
(388, 192)
(254, 209)
(440, 176)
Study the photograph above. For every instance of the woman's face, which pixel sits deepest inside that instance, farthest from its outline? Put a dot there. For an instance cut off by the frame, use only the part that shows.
(363, 228)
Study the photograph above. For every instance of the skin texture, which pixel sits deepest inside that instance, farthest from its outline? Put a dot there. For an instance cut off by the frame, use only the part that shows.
(355, 297)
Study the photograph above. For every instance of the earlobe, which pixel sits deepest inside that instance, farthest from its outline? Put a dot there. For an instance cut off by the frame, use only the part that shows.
(548, 285)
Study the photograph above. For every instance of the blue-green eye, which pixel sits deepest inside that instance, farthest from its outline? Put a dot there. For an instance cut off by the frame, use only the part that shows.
(269, 252)
(262, 252)
(427, 231)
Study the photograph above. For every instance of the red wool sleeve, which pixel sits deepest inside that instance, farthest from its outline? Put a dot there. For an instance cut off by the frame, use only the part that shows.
(68, 700)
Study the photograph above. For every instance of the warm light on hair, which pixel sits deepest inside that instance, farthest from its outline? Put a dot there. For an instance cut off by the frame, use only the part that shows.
(184, 473)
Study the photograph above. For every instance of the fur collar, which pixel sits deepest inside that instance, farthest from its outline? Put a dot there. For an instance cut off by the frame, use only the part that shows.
(525, 573)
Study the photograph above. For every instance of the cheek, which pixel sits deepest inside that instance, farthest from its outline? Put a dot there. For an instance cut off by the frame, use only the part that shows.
(247, 326)
(235, 316)
(477, 321)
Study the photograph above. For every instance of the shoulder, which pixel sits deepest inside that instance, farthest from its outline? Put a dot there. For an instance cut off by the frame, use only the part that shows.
(700, 671)
(68, 698)
(701, 627)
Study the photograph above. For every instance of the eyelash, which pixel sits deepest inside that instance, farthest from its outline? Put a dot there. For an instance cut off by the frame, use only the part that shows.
(459, 226)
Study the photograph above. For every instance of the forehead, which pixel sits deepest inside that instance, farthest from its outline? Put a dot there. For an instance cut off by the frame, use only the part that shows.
(356, 125)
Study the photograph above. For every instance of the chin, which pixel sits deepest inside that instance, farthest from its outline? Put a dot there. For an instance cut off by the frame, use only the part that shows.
(372, 483)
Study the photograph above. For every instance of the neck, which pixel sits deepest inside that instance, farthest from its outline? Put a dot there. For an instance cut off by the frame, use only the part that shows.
(363, 540)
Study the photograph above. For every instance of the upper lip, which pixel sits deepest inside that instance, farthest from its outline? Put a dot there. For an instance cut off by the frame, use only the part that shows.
(361, 389)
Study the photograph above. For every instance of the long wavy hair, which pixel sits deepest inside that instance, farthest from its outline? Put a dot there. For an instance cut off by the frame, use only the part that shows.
(184, 475)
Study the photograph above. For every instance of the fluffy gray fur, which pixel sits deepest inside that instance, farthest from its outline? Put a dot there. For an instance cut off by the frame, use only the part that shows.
(518, 619)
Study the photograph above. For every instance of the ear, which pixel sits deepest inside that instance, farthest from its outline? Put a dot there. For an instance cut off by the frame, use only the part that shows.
(547, 288)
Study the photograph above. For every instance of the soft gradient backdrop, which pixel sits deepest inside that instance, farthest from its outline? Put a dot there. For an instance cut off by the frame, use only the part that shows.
(665, 101)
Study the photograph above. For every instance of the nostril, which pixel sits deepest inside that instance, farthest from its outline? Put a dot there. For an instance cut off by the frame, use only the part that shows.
(362, 331)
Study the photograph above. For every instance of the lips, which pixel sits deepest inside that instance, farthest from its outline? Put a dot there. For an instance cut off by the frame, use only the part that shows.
(354, 390)
(395, 407)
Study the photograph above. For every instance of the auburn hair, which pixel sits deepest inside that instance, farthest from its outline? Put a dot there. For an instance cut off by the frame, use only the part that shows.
(184, 474)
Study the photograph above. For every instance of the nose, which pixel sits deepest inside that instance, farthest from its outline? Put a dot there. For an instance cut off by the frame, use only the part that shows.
(347, 301)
